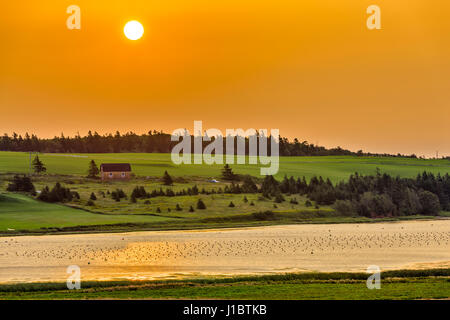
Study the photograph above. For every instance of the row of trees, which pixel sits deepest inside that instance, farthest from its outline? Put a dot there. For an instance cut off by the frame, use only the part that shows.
(152, 141)
(371, 195)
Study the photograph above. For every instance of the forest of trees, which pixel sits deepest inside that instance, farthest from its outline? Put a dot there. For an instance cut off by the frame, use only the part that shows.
(153, 142)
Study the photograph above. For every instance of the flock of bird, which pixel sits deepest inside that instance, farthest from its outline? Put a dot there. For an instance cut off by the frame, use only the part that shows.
(208, 248)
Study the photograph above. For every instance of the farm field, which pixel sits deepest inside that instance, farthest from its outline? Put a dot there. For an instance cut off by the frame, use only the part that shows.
(153, 165)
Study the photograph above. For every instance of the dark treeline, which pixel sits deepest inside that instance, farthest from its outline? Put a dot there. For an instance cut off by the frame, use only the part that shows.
(373, 195)
(151, 142)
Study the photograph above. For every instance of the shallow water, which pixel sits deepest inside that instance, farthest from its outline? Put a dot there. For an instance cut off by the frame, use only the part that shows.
(274, 249)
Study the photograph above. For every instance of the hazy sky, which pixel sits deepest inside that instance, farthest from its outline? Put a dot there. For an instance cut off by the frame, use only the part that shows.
(308, 67)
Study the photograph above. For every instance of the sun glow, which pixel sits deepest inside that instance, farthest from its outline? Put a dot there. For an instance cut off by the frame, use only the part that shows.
(133, 30)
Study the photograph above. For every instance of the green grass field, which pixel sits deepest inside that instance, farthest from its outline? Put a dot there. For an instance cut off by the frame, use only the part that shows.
(154, 165)
(24, 214)
(401, 284)
(21, 212)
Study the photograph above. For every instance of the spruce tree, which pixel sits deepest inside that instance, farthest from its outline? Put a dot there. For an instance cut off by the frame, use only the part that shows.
(38, 165)
(93, 171)
(167, 179)
(227, 173)
(200, 204)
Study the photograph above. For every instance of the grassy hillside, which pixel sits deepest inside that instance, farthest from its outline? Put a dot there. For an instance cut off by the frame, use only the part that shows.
(20, 212)
(151, 164)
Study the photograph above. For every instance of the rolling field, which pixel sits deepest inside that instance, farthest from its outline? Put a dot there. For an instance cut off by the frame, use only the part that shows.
(152, 164)
(20, 212)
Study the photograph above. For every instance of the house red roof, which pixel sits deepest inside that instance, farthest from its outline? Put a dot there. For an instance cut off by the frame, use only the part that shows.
(115, 167)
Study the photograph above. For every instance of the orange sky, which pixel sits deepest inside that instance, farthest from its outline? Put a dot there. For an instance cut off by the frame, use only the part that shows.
(308, 67)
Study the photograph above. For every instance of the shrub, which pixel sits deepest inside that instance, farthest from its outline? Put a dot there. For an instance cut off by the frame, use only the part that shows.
(118, 194)
(21, 184)
(200, 204)
(308, 203)
(345, 207)
(231, 205)
(191, 209)
(245, 199)
(167, 179)
(279, 198)
(90, 203)
(57, 194)
(266, 215)
(252, 204)
(158, 210)
(178, 208)
(430, 203)
(93, 197)
(372, 205)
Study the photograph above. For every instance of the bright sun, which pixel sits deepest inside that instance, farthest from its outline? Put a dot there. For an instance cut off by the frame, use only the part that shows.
(133, 30)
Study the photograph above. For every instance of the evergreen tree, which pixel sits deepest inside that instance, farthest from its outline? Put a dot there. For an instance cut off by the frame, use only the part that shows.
(21, 184)
(38, 165)
(231, 205)
(93, 171)
(227, 173)
(167, 179)
(191, 209)
(200, 204)
(93, 197)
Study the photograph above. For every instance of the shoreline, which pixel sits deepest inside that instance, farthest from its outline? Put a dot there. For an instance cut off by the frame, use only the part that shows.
(206, 227)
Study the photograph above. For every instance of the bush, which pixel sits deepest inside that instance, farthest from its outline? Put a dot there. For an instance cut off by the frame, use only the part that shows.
(231, 205)
(430, 203)
(93, 197)
(266, 215)
(167, 179)
(118, 194)
(200, 204)
(178, 208)
(245, 199)
(57, 194)
(21, 184)
(308, 203)
(345, 207)
(252, 204)
(279, 198)
(191, 209)
(158, 210)
(372, 205)
(90, 203)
